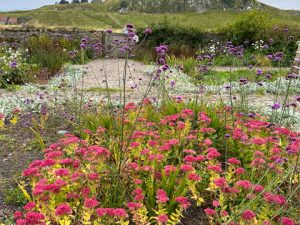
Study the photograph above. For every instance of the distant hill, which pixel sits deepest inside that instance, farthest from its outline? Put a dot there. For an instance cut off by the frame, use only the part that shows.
(113, 13)
(175, 6)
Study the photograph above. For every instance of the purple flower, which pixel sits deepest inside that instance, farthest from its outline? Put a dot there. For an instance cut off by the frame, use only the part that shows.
(265, 46)
(268, 76)
(13, 64)
(259, 72)
(251, 115)
(270, 57)
(298, 98)
(124, 49)
(250, 67)
(243, 81)
(161, 50)
(129, 26)
(131, 34)
(278, 56)
(165, 67)
(292, 76)
(227, 135)
(72, 54)
(276, 106)
(286, 30)
(147, 31)
(227, 86)
(162, 61)
(82, 45)
(172, 83)
(109, 31)
(84, 40)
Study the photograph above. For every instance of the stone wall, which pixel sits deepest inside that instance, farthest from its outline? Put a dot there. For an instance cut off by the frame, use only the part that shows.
(23, 34)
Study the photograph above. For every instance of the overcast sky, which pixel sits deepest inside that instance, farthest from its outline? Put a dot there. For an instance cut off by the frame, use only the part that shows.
(7, 5)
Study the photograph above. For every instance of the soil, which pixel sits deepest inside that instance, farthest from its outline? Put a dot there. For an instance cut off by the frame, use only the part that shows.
(18, 149)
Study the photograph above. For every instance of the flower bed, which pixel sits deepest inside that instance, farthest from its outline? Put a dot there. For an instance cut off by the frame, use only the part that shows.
(155, 164)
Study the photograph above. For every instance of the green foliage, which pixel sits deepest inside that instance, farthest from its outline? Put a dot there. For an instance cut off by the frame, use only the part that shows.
(189, 63)
(47, 53)
(249, 27)
(21, 73)
(14, 196)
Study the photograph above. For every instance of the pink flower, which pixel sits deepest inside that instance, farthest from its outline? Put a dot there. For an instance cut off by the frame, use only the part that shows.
(210, 212)
(169, 169)
(133, 166)
(234, 161)
(121, 213)
(286, 221)
(259, 141)
(138, 181)
(248, 215)
(173, 142)
(216, 203)
(258, 188)
(29, 206)
(134, 205)
(280, 200)
(186, 168)
(63, 209)
(61, 172)
(240, 170)
(189, 159)
(244, 184)
(134, 144)
(101, 212)
(34, 218)
(152, 143)
(215, 168)
(194, 177)
(183, 201)
(189, 151)
(220, 182)
(200, 158)
(93, 176)
(162, 219)
(213, 154)
(90, 203)
(21, 222)
(18, 215)
(208, 142)
(161, 196)
(34, 172)
(139, 197)
(258, 162)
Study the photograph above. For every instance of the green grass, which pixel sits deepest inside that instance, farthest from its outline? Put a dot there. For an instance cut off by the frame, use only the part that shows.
(101, 90)
(99, 16)
(221, 77)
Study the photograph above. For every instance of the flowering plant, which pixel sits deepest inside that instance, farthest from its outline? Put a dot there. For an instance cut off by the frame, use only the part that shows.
(168, 162)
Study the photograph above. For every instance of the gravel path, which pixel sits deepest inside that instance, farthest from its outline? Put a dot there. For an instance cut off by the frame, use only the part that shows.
(109, 73)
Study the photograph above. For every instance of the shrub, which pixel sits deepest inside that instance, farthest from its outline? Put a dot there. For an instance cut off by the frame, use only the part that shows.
(249, 27)
(47, 53)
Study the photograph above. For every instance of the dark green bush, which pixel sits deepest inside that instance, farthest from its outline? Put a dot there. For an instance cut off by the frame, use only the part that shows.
(249, 27)
(47, 53)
